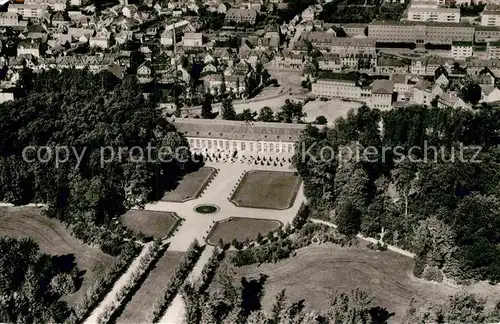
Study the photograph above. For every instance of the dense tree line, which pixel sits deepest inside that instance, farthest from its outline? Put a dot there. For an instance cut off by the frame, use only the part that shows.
(344, 11)
(410, 185)
(94, 116)
(32, 283)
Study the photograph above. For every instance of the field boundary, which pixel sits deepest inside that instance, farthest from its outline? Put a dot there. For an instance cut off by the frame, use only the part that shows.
(198, 194)
(207, 240)
(291, 199)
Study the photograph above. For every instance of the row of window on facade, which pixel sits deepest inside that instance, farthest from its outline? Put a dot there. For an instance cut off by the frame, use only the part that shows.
(259, 146)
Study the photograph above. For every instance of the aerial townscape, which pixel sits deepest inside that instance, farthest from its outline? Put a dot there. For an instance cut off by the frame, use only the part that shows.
(250, 161)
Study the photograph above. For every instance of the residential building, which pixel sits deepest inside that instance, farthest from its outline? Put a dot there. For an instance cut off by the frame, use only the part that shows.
(486, 33)
(56, 5)
(493, 50)
(27, 11)
(247, 138)
(352, 30)
(330, 62)
(381, 94)
(192, 39)
(9, 19)
(100, 39)
(445, 15)
(248, 16)
(424, 4)
(461, 50)
(338, 85)
(490, 93)
(423, 94)
(451, 100)
(490, 15)
(28, 48)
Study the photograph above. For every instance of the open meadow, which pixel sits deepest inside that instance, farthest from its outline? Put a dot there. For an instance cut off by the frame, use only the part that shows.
(316, 270)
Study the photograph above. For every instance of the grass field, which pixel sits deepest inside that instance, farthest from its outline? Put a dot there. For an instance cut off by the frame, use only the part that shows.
(240, 229)
(190, 186)
(267, 189)
(151, 223)
(137, 309)
(316, 270)
(54, 239)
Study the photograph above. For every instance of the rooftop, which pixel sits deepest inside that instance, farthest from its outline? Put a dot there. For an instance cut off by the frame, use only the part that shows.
(238, 130)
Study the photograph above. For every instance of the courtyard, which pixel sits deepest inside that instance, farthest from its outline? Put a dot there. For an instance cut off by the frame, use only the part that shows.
(266, 189)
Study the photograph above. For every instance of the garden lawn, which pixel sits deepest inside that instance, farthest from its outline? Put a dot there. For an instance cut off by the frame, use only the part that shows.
(137, 309)
(267, 189)
(54, 239)
(316, 270)
(157, 224)
(190, 186)
(241, 229)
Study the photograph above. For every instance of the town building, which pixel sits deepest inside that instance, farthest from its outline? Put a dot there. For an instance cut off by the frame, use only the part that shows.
(381, 94)
(192, 39)
(9, 19)
(420, 32)
(27, 11)
(461, 50)
(493, 50)
(246, 138)
(56, 5)
(490, 15)
(444, 15)
(248, 16)
(486, 33)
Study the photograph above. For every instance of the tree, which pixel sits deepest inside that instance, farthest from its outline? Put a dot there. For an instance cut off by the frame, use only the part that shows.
(28, 280)
(350, 307)
(470, 91)
(247, 115)
(290, 112)
(206, 108)
(266, 114)
(321, 120)
(348, 219)
(228, 112)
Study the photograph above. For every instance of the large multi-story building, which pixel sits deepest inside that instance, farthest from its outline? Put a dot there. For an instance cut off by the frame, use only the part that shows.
(445, 15)
(56, 5)
(246, 138)
(493, 50)
(27, 11)
(420, 32)
(490, 15)
(486, 33)
(338, 86)
(461, 50)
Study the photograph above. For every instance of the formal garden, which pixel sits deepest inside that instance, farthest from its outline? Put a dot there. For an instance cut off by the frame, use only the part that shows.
(191, 185)
(241, 229)
(266, 189)
(155, 224)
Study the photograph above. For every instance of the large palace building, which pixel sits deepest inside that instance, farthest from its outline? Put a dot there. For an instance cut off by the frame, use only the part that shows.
(247, 138)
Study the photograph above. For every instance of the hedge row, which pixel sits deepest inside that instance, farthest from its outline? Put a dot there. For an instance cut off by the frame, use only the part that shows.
(174, 284)
(146, 264)
(208, 271)
(97, 292)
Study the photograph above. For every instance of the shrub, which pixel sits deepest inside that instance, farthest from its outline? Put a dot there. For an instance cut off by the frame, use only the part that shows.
(63, 284)
(419, 267)
(433, 273)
